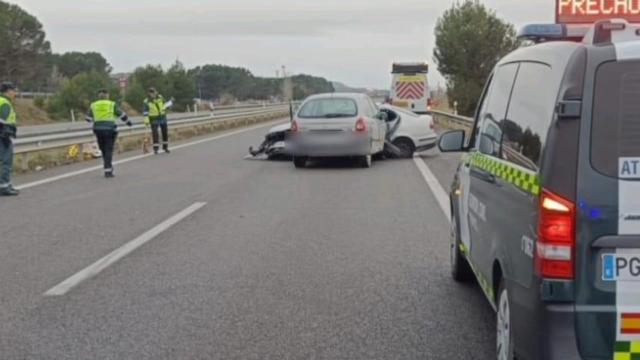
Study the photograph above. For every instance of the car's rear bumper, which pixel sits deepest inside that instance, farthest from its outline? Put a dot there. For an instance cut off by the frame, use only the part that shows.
(330, 145)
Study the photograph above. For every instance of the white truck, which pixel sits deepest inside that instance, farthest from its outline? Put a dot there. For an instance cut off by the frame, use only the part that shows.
(410, 87)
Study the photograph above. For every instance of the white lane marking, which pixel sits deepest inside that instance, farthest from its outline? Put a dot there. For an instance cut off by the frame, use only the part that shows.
(438, 192)
(134, 158)
(119, 253)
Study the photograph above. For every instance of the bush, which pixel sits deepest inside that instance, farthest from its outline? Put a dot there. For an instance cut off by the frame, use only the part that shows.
(40, 102)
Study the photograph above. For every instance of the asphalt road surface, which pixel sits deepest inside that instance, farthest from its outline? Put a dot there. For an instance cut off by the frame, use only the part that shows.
(263, 261)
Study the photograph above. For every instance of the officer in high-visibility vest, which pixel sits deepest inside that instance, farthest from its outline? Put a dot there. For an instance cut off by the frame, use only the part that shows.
(8, 131)
(155, 112)
(104, 114)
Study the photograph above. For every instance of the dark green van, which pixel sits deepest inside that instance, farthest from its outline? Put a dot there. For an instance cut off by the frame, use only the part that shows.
(546, 200)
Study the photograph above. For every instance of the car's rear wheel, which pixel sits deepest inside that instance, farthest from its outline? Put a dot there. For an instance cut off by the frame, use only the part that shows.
(460, 269)
(300, 161)
(366, 161)
(504, 334)
(405, 146)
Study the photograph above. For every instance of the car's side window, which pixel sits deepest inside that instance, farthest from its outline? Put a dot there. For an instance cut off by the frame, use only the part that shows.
(494, 111)
(366, 108)
(530, 113)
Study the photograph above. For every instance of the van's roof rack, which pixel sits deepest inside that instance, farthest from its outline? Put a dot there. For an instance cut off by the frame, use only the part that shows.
(602, 32)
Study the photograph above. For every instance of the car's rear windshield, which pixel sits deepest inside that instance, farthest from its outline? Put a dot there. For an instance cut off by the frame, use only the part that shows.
(616, 115)
(328, 108)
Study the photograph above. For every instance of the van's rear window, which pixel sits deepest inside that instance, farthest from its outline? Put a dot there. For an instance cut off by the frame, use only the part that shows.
(328, 108)
(616, 115)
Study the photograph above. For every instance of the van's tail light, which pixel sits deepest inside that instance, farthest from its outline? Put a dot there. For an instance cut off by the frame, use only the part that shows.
(361, 125)
(295, 127)
(555, 250)
(429, 104)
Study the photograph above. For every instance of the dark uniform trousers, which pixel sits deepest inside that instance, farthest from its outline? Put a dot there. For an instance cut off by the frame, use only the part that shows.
(162, 124)
(106, 142)
(6, 161)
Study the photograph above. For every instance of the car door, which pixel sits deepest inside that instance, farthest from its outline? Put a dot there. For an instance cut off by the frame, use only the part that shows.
(464, 172)
(513, 212)
(483, 182)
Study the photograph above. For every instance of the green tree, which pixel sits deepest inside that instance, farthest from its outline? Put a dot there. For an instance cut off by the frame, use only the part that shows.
(182, 86)
(216, 81)
(306, 85)
(79, 92)
(470, 40)
(141, 80)
(213, 81)
(73, 63)
(23, 45)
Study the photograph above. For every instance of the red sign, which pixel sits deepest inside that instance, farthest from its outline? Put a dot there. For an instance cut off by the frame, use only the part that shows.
(124, 82)
(590, 11)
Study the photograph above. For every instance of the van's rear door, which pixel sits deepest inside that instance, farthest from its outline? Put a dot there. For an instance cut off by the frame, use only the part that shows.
(608, 195)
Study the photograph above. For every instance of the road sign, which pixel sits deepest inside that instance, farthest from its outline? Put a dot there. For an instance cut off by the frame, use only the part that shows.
(590, 11)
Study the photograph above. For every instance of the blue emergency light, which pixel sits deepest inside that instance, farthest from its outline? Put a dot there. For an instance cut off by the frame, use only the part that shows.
(543, 32)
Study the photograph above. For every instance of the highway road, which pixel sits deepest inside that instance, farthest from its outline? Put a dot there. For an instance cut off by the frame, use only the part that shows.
(203, 255)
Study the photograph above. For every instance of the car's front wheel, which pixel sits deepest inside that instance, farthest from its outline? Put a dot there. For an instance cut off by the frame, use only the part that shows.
(405, 147)
(504, 334)
(299, 161)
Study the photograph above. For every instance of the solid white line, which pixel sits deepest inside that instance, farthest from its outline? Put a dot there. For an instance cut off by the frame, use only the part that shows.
(113, 257)
(438, 192)
(134, 158)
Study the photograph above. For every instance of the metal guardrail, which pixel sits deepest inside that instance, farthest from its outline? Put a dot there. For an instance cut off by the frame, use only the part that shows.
(448, 119)
(61, 139)
(67, 127)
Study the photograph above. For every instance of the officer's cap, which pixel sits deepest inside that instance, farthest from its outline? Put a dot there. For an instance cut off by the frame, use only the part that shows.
(6, 86)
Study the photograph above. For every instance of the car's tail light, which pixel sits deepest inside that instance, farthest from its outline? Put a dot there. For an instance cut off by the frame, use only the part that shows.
(431, 126)
(555, 250)
(294, 126)
(361, 125)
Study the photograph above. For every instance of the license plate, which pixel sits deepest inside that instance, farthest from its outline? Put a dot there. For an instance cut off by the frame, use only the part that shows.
(621, 267)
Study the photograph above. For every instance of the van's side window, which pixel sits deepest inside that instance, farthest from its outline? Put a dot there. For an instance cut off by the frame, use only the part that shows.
(616, 111)
(530, 113)
(488, 142)
(482, 109)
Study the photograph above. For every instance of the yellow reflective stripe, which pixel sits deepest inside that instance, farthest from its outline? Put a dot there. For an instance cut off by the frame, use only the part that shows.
(627, 350)
(523, 179)
(485, 285)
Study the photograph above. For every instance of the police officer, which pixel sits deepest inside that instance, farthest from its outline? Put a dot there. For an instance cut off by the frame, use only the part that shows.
(8, 131)
(156, 115)
(104, 113)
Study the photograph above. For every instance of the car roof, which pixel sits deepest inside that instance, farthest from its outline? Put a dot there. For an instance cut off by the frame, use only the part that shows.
(354, 96)
(555, 53)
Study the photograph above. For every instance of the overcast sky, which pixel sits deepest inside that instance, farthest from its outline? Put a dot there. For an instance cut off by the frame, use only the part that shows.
(352, 41)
